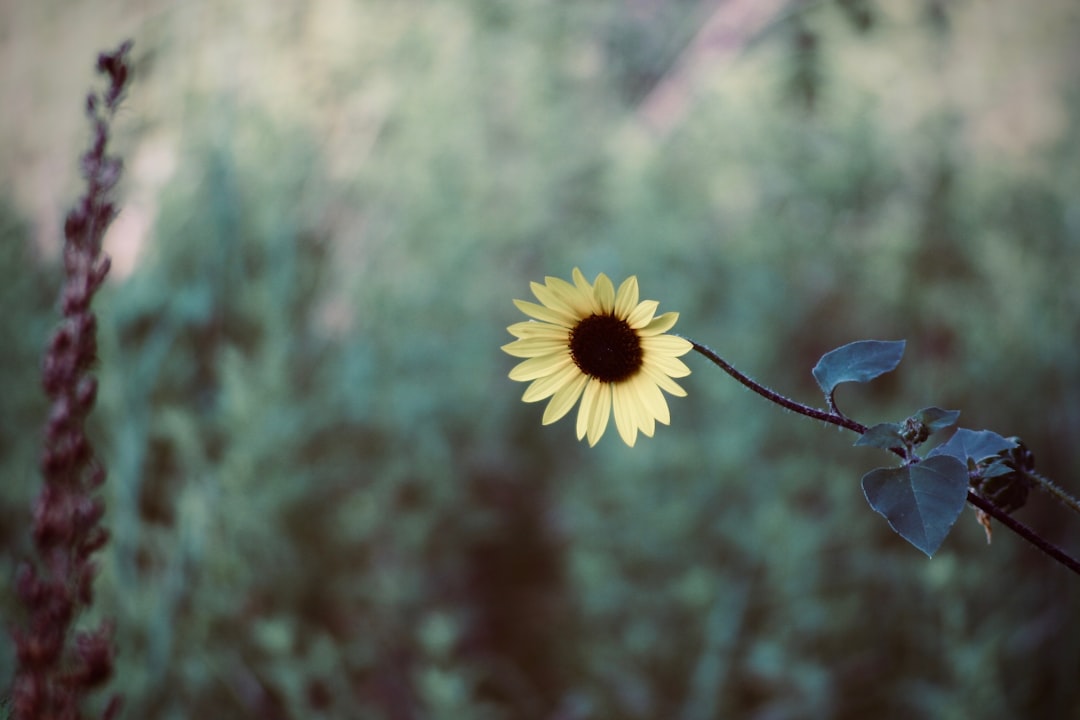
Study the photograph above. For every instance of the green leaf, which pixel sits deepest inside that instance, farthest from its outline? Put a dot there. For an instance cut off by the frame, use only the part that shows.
(921, 501)
(859, 361)
(884, 435)
(934, 418)
(996, 468)
(968, 444)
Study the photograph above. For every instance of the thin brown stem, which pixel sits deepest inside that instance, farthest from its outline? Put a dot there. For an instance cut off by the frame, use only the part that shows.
(1055, 491)
(1024, 531)
(773, 396)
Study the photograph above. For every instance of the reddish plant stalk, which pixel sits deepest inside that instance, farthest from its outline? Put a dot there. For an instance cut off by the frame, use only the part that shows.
(57, 666)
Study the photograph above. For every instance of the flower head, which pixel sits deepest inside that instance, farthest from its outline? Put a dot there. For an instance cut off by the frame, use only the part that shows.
(590, 342)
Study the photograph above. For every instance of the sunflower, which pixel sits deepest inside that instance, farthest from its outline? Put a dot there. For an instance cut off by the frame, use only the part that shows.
(587, 341)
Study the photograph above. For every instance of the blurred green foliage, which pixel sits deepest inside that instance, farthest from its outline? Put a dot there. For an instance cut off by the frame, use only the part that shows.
(326, 499)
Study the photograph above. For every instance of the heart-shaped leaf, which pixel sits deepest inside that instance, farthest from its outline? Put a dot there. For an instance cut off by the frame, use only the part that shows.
(920, 501)
(860, 361)
(934, 418)
(968, 444)
(884, 435)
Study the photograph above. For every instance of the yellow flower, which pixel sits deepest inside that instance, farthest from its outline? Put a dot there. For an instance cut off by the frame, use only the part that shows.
(588, 341)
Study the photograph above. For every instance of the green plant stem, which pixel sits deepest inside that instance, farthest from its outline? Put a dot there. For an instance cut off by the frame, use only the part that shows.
(978, 501)
(1055, 491)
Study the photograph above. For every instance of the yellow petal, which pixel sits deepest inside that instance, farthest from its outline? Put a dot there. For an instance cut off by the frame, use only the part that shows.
(663, 381)
(534, 347)
(552, 300)
(581, 282)
(534, 329)
(641, 315)
(588, 399)
(550, 384)
(564, 399)
(652, 399)
(642, 418)
(667, 365)
(627, 297)
(586, 289)
(546, 314)
(581, 301)
(540, 366)
(605, 294)
(599, 413)
(670, 345)
(625, 413)
(594, 411)
(659, 324)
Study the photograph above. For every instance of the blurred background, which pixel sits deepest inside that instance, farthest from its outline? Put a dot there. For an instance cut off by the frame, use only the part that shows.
(326, 497)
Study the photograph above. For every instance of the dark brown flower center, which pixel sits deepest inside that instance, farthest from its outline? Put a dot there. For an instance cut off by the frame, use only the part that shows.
(606, 348)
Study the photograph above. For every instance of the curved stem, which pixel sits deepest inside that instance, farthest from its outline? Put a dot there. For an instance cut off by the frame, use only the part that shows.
(1024, 531)
(835, 418)
(1055, 491)
(773, 396)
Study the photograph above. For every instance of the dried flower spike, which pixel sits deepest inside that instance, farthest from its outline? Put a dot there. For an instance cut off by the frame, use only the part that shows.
(58, 667)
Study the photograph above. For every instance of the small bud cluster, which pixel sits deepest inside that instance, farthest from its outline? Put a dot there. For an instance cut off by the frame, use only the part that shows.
(52, 678)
